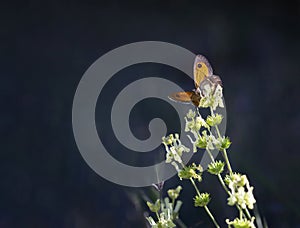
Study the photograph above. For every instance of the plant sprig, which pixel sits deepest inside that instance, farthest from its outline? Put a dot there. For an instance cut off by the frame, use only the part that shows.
(236, 185)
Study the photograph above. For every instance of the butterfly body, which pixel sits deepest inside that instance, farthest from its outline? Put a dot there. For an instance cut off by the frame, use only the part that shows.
(203, 75)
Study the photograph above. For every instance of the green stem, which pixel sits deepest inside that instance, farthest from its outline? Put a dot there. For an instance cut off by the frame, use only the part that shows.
(224, 153)
(241, 213)
(212, 113)
(223, 184)
(158, 218)
(173, 203)
(225, 187)
(195, 186)
(198, 193)
(205, 207)
(219, 175)
(248, 214)
(227, 161)
(210, 155)
(211, 216)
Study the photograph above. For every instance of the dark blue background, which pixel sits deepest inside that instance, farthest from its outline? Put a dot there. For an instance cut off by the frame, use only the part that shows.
(46, 46)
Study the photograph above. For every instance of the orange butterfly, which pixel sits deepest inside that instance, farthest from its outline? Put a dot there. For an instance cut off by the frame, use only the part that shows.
(203, 75)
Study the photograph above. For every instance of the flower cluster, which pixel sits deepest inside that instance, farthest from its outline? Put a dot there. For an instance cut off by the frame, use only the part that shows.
(154, 207)
(164, 221)
(192, 171)
(174, 193)
(166, 211)
(241, 191)
(202, 200)
(216, 167)
(213, 97)
(194, 123)
(214, 119)
(205, 139)
(241, 223)
(174, 149)
(204, 133)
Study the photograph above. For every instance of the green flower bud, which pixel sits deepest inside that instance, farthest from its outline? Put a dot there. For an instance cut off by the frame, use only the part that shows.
(192, 171)
(201, 143)
(168, 140)
(223, 143)
(186, 173)
(202, 200)
(154, 207)
(174, 193)
(214, 120)
(241, 223)
(197, 167)
(216, 167)
(234, 177)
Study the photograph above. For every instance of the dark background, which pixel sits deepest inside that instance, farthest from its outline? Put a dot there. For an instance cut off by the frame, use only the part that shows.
(46, 46)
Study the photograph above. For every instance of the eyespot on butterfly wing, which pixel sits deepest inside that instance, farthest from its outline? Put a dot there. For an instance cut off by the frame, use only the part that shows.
(202, 69)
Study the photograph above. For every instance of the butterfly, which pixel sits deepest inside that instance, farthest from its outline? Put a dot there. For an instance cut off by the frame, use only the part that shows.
(203, 76)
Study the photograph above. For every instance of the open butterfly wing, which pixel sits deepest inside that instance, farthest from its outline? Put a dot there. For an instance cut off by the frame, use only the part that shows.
(202, 69)
(185, 97)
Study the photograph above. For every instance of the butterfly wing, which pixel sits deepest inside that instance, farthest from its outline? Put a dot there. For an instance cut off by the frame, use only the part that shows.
(185, 97)
(202, 69)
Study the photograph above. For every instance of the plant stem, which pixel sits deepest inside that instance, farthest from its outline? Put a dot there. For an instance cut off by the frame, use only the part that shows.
(211, 216)
(173, 203)
(205, 207)
(219, 175)
(227, 160)
(248, 214)
(210, 155)
(223, 184)
(195, 186)
(158, 218)
(225, 187)
(241, 213)
(224, 153)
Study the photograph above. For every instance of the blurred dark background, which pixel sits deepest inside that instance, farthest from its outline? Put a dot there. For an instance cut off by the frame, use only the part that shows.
(46, 46)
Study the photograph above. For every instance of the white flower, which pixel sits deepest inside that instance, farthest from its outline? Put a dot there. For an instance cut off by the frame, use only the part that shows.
(174, 148)
(212, 98)
(201, 122)
(218, 98)
(191, 114)
(241, 191)
(249, 198)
